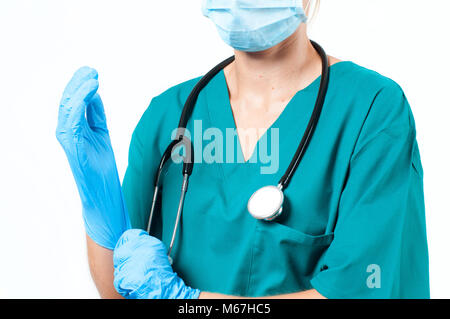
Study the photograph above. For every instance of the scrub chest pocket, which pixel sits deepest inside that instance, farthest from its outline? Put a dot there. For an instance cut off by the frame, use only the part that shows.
(284, 259)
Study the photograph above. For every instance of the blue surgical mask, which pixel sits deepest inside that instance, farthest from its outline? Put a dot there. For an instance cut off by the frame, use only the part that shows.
(255, 25)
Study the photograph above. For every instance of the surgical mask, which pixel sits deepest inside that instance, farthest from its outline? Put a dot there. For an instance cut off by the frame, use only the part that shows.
(255, 25)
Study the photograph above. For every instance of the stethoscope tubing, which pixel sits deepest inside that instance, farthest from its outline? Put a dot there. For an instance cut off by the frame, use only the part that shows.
(188, 159)
(323, 88)
(193, 96)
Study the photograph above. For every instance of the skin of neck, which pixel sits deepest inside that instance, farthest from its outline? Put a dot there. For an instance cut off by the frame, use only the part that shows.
(275, 74)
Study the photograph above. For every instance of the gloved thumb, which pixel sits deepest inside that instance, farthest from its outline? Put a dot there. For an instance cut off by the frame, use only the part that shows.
(95, 114)
(79, 101)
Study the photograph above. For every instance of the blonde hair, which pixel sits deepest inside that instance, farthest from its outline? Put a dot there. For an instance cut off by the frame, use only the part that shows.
(313, 9)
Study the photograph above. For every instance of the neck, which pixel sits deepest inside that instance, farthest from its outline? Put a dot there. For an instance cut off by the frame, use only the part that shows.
(277, 73)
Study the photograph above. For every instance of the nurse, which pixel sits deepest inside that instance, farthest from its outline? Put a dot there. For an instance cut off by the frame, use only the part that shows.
(353, 221)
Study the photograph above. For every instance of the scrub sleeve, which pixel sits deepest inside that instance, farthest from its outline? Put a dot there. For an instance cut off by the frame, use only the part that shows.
(376, 245)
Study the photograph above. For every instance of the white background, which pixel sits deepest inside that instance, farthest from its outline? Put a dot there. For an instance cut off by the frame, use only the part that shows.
(141, 48)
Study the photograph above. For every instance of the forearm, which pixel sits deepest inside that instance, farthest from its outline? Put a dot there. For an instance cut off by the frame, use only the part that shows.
(308, 294)
(102, 269)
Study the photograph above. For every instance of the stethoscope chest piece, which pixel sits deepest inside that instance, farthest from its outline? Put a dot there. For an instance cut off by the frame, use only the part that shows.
(266, 203)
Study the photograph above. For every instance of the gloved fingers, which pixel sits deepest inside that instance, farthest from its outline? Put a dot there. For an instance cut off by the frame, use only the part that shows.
(79, 101)
(133, 283)
(95, 114)
(82, 75)
(125, 245)
(139, 239)
(126, 282)
(137, 244)
(78, 79)
(129, 236)
(120, 283)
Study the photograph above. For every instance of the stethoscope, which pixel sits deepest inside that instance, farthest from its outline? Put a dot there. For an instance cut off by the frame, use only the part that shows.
(267, 202)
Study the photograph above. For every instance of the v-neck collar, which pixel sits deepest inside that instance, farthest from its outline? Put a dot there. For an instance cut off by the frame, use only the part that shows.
(218, 106)
(221, 113)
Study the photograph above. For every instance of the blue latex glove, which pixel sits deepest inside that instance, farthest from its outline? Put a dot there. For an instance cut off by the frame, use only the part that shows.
(83, 134)
(143, 271)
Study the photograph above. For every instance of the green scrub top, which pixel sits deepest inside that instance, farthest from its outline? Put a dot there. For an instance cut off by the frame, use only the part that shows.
(353, 223)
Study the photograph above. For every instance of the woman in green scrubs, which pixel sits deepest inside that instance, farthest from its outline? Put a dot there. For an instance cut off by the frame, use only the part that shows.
(353, 223)
(356, 200)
